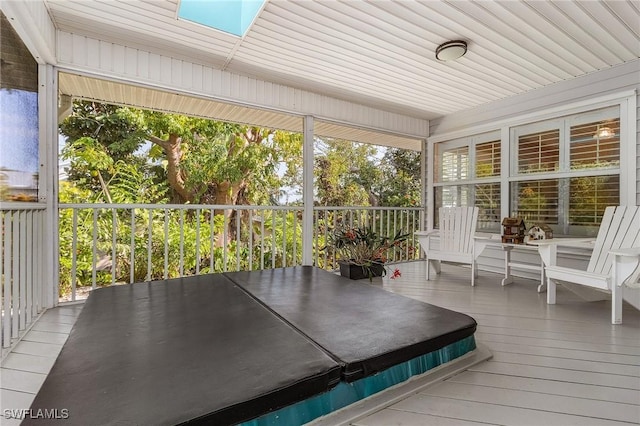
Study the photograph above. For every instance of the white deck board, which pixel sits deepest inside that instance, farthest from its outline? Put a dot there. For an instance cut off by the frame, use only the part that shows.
(571, 376)
(553, 387)
(567, 337)
(532, 349)
(568, 364)
(494, 413)
(397, 417)
(561, 344)
(553, 365)
(537, 401)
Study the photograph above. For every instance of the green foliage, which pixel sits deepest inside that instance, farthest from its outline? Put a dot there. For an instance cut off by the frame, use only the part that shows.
(401, 185)
(344, 173)
(351, 174)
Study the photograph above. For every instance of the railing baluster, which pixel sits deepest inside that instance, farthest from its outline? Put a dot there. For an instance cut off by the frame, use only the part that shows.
(251, 240)
(74, 252)
(273, 239)
(6, 279)
(15, 274)
(165, 267)
(149, 245)
(132, 255)
(114, 257)
(295, 238)
(284, 239)
(29, 267)
(225, 224)
(94, 252)
(181, 242)
(197, 241)
(39, 261)
(262, 217)
(237, 240)
(211, 242)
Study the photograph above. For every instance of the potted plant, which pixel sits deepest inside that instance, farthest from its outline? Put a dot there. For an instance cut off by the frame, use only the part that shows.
(362, 251)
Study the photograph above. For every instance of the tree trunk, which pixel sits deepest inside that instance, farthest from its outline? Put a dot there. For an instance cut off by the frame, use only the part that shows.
(172, 150)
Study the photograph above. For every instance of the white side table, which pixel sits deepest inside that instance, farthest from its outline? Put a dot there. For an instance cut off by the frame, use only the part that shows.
(495, 241)
(508, 263)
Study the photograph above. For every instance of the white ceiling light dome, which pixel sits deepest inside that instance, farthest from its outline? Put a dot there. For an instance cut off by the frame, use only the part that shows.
(451, 50)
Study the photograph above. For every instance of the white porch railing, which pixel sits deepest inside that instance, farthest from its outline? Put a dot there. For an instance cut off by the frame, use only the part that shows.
(103, 244)
(106, 244)
(384, 220)
(21, 267)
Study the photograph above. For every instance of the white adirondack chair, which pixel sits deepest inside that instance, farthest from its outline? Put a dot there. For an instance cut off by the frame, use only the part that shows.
(614, 261)
(455, 239)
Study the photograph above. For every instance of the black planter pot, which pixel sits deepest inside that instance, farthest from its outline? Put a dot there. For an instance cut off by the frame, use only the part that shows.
(357, 272)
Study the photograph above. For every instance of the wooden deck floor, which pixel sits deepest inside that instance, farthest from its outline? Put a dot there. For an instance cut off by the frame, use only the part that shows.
(551, 365)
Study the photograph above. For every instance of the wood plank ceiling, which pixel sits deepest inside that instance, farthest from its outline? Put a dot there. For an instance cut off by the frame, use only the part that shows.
(381, 53)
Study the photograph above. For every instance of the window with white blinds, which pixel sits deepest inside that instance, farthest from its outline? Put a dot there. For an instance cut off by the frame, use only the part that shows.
(561, 172)
(566, 171)
(453, 164)
(536, 201)
(589, 196)
(488, 159)
(467, 173)
(539, 152)
(595, 145)
(487, 198)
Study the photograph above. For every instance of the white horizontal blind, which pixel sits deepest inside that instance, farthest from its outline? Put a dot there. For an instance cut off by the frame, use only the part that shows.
(590, 195)
(539, 152)
(487, 198)
(536, 201)
(595, 145)
(488, 159)
(453, 165)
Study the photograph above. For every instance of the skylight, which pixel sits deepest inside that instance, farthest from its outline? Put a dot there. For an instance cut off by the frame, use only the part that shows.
(231, 16)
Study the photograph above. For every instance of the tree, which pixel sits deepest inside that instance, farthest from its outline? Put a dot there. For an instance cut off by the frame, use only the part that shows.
(401, 185)
(203, 161)
(345, 173)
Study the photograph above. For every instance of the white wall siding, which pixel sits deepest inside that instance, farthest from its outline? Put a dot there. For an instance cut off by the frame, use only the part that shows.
(115, 61)
(638, 148)
(31, 21)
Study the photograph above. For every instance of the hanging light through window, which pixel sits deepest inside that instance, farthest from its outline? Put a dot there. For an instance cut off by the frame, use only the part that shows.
(604, 132)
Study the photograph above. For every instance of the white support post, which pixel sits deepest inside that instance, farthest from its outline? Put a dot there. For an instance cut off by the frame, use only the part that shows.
(424, 184)
(307, 191)
(48, 188)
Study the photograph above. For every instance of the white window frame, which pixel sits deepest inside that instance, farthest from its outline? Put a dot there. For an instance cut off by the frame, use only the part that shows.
(625, 101)
(471, 143)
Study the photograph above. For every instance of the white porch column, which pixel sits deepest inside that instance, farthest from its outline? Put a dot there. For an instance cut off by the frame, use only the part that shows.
(307, 191)
(48, 191)
(424, 185)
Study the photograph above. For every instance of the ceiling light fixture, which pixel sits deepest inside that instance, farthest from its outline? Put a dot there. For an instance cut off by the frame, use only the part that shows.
(451, 50)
